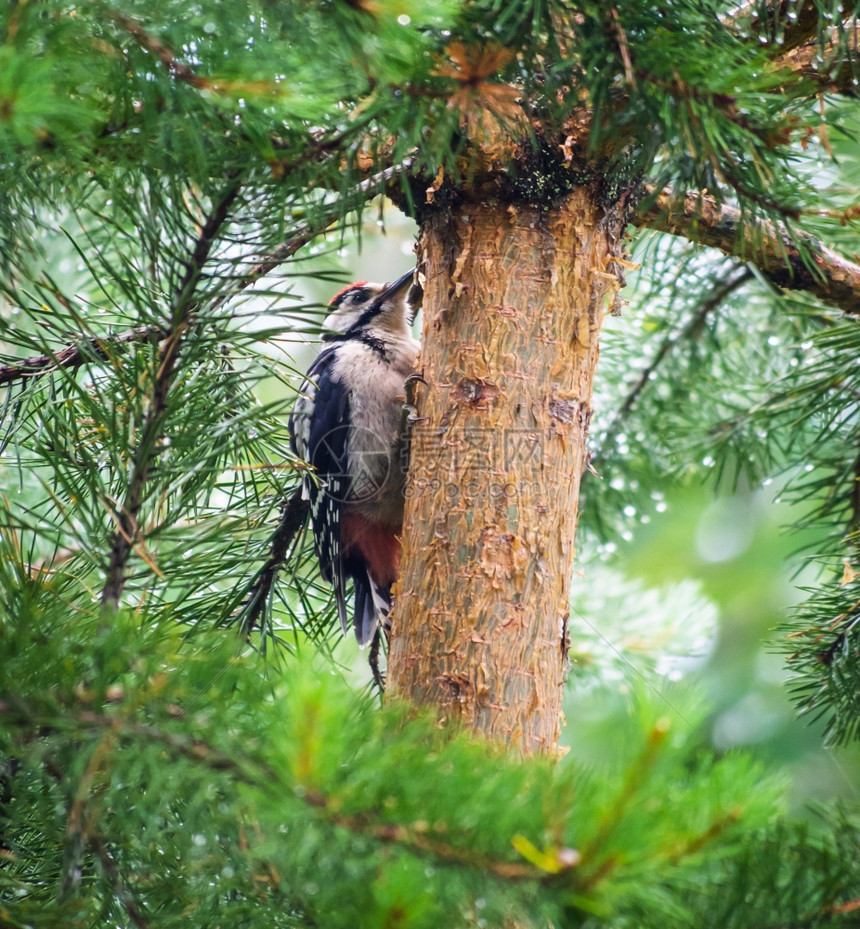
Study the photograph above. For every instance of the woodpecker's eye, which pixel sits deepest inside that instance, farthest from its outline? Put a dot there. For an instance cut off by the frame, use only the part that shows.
(359, 296)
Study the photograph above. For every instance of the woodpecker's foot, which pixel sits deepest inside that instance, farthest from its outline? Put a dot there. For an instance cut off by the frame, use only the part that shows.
(409, 416)
(408, 419)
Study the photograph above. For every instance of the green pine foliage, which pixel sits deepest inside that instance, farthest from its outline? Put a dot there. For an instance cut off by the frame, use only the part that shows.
(178, 740)
(148, 782)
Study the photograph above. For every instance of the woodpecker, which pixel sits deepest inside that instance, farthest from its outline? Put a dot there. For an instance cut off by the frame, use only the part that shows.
(349, 424)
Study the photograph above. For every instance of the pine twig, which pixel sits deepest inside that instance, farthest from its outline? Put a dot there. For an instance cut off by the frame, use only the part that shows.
(293, 516)
(614, 814)
(421, 843)
(771, 20)
(77, 354)
(689, 331)
(185, 74)
(178, 69)
(126, 518)
(790, 260)
(307, 231)
(260, 773)
(620, 37)
(123, 892)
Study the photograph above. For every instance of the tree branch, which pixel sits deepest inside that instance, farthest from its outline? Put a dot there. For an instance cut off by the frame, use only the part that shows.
(133, 907)
(833, 67)
(185, 74)
(790, 260)
(772, 21)
(419, 842)
(95, 348)
(260, 773)
(784, 24)
(792, 36)
(303, 233)
(126, 516)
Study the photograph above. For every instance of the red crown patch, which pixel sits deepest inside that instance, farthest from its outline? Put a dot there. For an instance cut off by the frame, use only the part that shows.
(340, 294)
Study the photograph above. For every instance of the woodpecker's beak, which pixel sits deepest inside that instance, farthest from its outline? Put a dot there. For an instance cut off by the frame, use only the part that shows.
(413, 297)
(396, 286)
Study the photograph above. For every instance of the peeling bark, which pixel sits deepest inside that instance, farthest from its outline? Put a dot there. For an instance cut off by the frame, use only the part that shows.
(513, 304)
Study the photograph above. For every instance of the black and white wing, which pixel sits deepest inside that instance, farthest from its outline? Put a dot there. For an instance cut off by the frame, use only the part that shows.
(319, 429)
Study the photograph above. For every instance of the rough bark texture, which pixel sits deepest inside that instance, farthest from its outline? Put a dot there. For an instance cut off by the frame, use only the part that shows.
(513, 304)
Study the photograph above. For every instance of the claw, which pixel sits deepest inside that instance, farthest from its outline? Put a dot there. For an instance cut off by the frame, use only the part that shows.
(408, 419)
(410, 410)
(411, 381)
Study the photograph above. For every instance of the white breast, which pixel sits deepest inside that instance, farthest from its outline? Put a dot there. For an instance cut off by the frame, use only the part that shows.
(376, 402)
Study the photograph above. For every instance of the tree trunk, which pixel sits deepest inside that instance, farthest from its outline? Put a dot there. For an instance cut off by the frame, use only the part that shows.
(513, 303)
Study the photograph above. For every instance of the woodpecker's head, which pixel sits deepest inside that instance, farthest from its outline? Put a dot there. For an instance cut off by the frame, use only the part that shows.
(365, 305)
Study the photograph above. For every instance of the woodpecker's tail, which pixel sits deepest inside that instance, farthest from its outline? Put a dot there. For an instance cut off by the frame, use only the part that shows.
(372, 604)
(339, 582)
